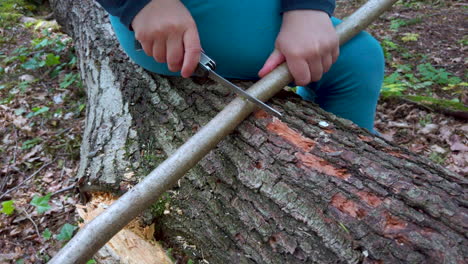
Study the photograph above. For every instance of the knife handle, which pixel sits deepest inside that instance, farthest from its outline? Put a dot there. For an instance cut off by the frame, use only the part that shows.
(205, 65)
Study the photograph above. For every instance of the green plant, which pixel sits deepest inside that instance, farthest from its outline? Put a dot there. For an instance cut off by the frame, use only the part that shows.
(463, 41)
(7, 207)
(388, 46)
(66, 232)
(47, 234)
(395, 24)
(427, 119)
(31, 143)
(407, 37)
(170, 253)
(41, 203)
(157, 209)
(439, 76)
(69, 80)
(343, 227)
(437, 157)
(393, 84)
(37, 111)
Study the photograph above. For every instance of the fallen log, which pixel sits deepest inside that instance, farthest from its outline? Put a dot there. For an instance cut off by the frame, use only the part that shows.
(310, 188)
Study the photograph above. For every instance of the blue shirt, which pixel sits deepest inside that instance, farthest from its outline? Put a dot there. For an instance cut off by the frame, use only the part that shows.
(126, 10)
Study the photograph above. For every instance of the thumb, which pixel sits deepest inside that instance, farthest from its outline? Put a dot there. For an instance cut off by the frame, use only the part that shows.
(275, 59)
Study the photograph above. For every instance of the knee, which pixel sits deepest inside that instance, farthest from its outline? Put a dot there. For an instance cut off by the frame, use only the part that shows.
(362, 63)
(366, 53)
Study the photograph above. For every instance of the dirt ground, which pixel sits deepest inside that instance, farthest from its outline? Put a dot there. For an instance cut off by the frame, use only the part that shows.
(42, 109)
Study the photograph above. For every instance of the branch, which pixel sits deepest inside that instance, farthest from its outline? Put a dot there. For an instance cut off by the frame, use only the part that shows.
(27, 179)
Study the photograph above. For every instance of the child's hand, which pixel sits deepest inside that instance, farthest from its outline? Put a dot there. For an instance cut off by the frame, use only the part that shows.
(309, 44)
(167, 32)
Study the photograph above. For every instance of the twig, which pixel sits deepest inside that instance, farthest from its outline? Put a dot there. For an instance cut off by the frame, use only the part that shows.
(64, 189)
(32, 221)
(16, 145)
(27, 179)
(63, 169)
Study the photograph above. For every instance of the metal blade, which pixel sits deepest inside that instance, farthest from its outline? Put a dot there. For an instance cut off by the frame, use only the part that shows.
(213, 75)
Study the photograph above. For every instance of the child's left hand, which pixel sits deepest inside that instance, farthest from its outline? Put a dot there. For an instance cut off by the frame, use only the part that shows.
(309, 44)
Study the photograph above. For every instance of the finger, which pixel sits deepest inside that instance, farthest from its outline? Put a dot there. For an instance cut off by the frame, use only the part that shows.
(299, 69)
(159, 50)
(315, 69)
(327, 62)
(192, 49)
(275, 59)
(335, 54)
(147, 48)
(175, 52)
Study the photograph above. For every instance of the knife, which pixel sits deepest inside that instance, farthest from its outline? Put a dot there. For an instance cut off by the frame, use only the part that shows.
(206, 68)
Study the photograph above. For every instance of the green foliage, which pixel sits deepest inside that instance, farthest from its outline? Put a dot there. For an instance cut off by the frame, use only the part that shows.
(91, 261)
(169, 253)
(52, 60)
(41, 203)
(426, 76)
(23, 85)
(66, 232)
(31, 143)
(7, 207)
(190, 261)
(437, 158)
(463, 41)
(397, 23)
(46, 52)
(439, 76)
(423, 121)
(416, 4)
(389, 46)
(37, 111)
(47, 234)
(69, 80)
(34, 63)
(19, 261)
(343, 227)
(440, 103)
(157, 209)
(393, 84)
(407, 37)
(12, 10)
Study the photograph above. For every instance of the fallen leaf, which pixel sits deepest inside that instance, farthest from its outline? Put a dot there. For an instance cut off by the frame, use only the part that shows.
(428, 129)
(456, 144)
(438, 149)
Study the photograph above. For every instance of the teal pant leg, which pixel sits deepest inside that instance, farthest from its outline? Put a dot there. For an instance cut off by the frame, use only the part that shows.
(351, 88)
(240, 35)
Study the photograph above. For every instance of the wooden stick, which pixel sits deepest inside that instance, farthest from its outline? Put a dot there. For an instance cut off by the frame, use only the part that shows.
(95, 234)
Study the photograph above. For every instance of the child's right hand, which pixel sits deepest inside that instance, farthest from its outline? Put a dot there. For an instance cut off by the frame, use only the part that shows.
(167, 32)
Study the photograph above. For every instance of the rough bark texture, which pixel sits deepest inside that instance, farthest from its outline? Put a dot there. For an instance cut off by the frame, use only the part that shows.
(312, 188)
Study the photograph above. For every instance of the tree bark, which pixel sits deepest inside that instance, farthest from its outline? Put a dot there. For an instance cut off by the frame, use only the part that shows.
(312, 188)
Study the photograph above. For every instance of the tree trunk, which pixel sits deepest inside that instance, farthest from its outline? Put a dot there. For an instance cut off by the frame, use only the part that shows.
(311, 188)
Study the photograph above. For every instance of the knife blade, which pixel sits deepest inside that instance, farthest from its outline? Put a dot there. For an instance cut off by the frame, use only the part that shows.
(206, 68)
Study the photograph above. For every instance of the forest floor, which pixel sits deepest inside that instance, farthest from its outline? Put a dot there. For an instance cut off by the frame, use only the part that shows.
(42, 108)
